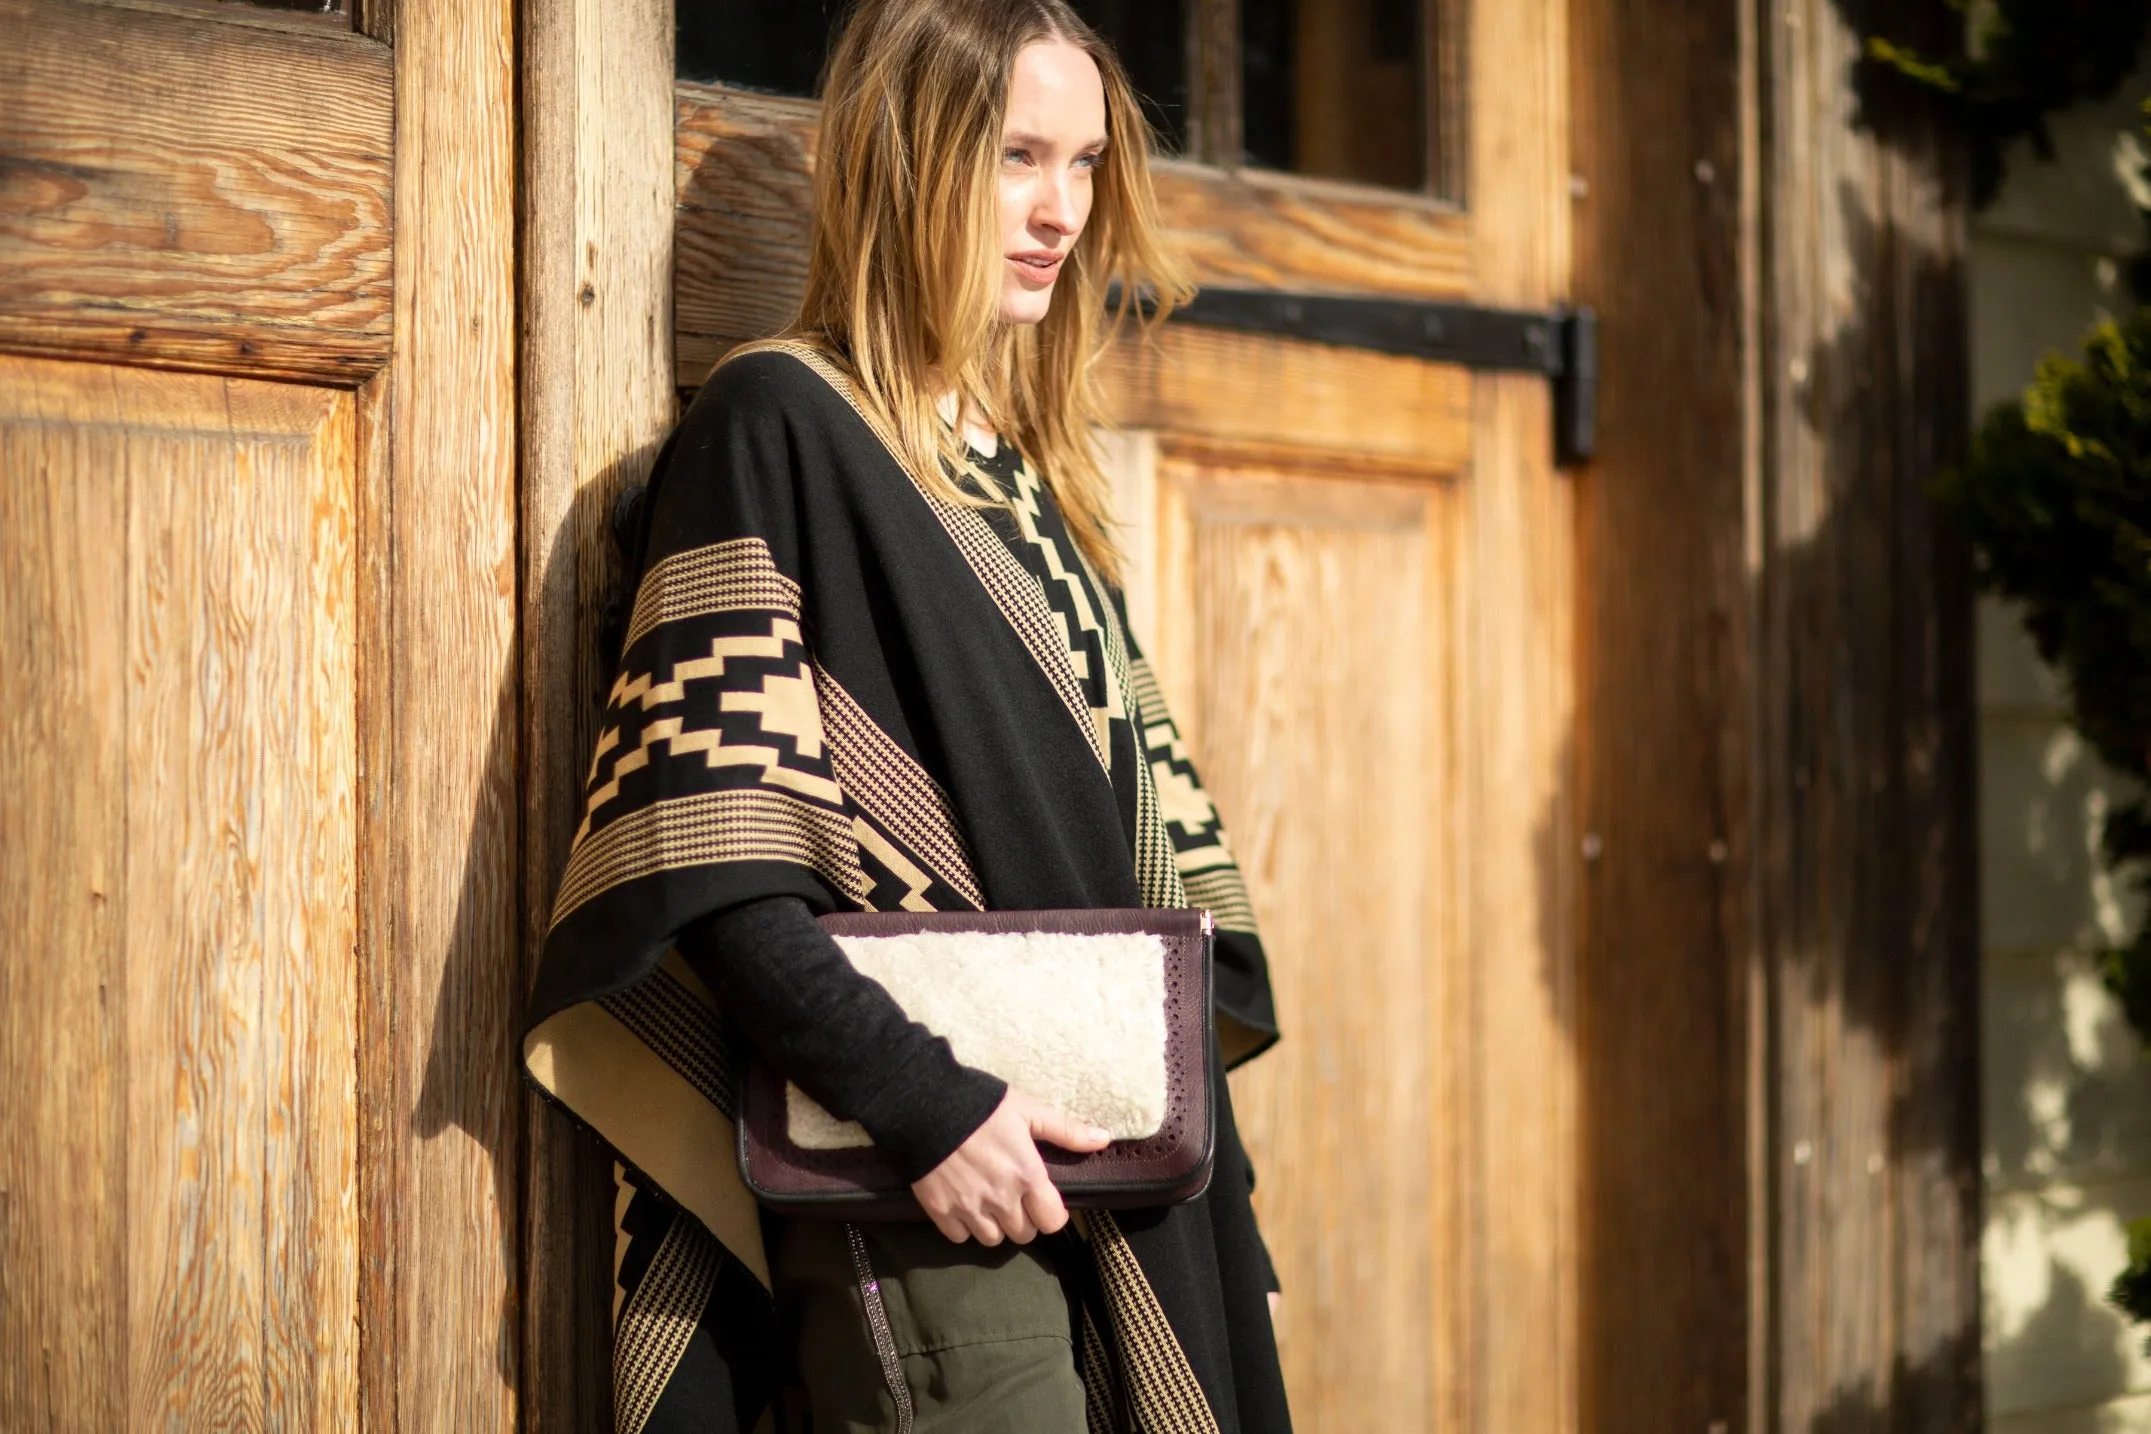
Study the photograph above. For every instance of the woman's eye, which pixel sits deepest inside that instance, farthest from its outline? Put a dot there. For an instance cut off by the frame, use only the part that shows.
(1015, 156)
(1090, 161)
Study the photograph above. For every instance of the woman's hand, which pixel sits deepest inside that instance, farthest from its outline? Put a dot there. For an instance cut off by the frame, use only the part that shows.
(995, 1183)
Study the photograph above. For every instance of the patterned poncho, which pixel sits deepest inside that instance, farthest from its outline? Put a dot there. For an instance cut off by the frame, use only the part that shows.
(837, 686)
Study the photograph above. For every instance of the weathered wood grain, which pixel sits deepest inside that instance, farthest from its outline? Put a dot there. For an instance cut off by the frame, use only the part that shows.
(63, 895)
(1519, 569)
(1663, 749)
(1444, 31)
(743, 168)
(597, 397)
(162, 203)
(378, 1136)
(1867, 910)
(443, 1197)
(1365, 412)
(1334, 777)
(207, 1015)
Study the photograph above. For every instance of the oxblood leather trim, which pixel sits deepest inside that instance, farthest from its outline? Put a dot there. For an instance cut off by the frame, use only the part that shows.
(1162, 1169)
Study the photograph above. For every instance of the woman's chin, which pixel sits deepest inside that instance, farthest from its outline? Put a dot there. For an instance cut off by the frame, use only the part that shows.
(1025, 305)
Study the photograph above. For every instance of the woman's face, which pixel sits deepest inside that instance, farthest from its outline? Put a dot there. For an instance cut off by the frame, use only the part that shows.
(1052, 141)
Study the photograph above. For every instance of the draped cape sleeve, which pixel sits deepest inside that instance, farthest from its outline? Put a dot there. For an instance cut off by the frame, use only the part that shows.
(713, 783)
(834, 685)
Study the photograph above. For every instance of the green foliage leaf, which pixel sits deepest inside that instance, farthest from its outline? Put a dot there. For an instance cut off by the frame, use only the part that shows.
(2030, 59)
(2057, 501)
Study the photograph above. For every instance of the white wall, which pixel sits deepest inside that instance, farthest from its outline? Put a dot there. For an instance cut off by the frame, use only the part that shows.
(2066, 1139)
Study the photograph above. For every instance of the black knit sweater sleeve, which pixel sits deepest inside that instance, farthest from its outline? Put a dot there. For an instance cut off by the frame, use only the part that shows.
(837, 1034)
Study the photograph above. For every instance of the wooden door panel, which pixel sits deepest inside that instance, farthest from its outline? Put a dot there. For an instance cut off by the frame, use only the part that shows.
(1296, 621)
(1342, 409)
(185, 190)
(177, 837)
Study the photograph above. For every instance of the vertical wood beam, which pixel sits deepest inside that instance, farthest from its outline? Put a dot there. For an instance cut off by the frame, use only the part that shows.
(597, 398)
(1214, 134)
(1867, 907)
(1520, 565)
(1663, 746)
(441, 1133)
(1445, 96)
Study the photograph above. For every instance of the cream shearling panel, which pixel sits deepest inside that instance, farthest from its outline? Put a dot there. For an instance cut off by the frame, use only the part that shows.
(1078, 1021)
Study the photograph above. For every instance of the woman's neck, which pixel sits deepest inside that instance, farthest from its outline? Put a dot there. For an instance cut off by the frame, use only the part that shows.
(975, 430)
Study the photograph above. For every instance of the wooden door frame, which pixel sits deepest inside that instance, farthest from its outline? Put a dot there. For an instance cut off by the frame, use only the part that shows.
(439, 888)
(596, 399)
(1702, 857)
(374, 250)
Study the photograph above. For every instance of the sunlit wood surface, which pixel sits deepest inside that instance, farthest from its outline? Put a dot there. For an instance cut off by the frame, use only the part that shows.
(181, 190)
(177, 836)
(1308, 655)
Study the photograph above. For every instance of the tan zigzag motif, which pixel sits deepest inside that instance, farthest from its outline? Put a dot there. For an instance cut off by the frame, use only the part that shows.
(1027, 510)
(1155, 869)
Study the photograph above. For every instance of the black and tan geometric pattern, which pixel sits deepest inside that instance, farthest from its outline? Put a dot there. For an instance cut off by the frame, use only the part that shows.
(1071, 590)
(1013, 590)
(898, 801)
(1162, 1387)
(713, 748)
(658, 1318)
(723, 577)
(1156, 865)
(683, 1029)
(725, 740)
(1208, 871)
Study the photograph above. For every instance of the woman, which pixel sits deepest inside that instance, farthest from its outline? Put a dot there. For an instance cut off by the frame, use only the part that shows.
(877, 659)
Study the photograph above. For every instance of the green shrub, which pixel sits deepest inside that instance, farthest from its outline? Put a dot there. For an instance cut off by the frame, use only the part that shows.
(2057, 501)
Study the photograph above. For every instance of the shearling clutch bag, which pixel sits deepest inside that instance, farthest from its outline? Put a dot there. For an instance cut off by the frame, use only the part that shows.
(1104, 1014)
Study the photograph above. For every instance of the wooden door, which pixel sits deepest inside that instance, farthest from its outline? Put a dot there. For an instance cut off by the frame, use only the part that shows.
(1354, 573)
(212, 1048)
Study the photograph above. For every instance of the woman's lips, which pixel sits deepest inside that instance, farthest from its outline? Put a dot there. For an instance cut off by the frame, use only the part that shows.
(1039, 265)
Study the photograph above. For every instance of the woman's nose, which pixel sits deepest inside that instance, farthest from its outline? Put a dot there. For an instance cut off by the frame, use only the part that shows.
(1057, 207)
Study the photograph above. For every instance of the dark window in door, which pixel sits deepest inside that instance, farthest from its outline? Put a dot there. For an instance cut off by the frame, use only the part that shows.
(1336, 88)
(778, 46)
(1362, 90)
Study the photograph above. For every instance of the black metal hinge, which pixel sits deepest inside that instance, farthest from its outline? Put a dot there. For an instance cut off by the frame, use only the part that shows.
(1561, 343)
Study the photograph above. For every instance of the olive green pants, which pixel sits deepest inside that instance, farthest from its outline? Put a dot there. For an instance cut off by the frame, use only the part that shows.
(983, 1336)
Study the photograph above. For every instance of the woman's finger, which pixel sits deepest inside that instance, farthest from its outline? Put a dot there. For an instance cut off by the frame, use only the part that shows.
(1015, 1221)
(983, 1227)
(951, 1228)
(1051, 1126)
(1043, 1203)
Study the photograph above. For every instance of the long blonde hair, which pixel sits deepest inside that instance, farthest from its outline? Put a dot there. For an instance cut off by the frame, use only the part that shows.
(903, 270)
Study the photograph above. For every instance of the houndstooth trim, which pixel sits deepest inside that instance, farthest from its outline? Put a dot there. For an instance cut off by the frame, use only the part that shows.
(736, 575)
(1099, 1416)
(685, 1033)
(659, 1319)
(883, 780)
(1162, 1388)
(1156, 867)
(734, 824)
